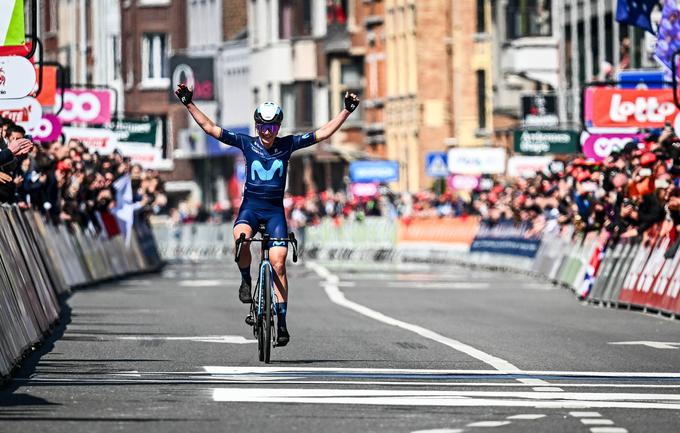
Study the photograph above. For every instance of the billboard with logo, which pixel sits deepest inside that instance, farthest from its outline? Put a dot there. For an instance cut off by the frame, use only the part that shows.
(95, 139)
(539, 110)
(49, 129)
(85, 106)
(195, 72)
(600, 146)
(25, 112)
(541, 142)
(374, 171)
(477, 160)
(17, 77)
(608, 107)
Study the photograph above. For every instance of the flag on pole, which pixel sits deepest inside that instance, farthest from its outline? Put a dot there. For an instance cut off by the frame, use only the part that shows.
(636, 13)
(668, 41)
(12, 30)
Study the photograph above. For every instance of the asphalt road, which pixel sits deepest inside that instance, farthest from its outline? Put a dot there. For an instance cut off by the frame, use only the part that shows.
(374, 348)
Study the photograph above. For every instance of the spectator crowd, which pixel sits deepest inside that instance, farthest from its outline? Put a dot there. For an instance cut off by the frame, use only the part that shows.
(633, 189)
(68, 183)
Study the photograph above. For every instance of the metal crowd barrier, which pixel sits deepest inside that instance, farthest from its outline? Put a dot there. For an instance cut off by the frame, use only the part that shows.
(40, 262)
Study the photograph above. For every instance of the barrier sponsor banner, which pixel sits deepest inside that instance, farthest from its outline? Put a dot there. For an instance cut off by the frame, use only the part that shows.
(462, 182)
(627, 294)
(96, 139)
(143, 154)
(364, 189)
(443, 230)
(477, 160)
(17, 77)
(25, 112)
(48, 130)
(506, 239)
(639, 108)
(85, 106)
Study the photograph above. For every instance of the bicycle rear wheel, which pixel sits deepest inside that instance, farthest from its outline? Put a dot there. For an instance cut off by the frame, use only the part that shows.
(267, 323)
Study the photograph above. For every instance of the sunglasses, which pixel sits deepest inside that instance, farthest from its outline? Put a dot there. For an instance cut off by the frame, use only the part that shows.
(272, 128)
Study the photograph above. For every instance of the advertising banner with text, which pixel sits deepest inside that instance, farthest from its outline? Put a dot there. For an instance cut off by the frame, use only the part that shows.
(609, 107)
(88, 106)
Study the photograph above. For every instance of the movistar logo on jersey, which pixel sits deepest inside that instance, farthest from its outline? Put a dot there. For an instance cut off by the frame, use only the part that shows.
(266, 174)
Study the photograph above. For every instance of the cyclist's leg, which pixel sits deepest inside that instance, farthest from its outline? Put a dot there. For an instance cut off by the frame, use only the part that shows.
(246, 223)
(277, 228)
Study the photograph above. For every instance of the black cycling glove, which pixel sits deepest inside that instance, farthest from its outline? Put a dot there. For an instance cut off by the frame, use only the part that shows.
(184, 94)
(351, 102)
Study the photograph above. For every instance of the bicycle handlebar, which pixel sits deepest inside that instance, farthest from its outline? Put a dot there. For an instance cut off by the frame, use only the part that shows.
(242, 238)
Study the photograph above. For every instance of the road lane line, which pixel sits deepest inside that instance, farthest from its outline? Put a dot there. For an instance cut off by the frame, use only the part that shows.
(584, 414)
(547, 388)
(528, 416)
(597, 421)
(538, 400)
(336, 296)
(608, 430)
(489, 424)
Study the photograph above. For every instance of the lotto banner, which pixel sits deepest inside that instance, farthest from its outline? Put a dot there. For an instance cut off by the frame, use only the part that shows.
(608, 107)
(12, 30)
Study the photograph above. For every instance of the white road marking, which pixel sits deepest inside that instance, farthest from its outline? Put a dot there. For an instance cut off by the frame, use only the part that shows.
(547, 389)
(201, 283)
(488, 424)
(437, 286)
(447, 398)
(131, 373)
(527, 416)
(652, 344)
(135, 283)
(584, 414)
(222, 339)
(608, 430)
(425, 372)
(347, 284)
(597, 421)
(337, 297)
(439, 430)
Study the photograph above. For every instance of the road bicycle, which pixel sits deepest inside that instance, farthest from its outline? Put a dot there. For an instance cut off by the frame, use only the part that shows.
(263, 307)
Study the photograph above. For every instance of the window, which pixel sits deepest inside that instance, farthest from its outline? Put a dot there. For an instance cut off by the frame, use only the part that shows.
(115, 57)
(529, 18)
(295, 18)
(481, 98)
(297, 103)
(481, 16)
(351, 74)
(155, 60)
(52, 24)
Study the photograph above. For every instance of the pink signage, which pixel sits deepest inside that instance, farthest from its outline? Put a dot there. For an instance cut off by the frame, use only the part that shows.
(92, 107)
(364, 189)
(463, 182)
(49, 129)
(599, 146)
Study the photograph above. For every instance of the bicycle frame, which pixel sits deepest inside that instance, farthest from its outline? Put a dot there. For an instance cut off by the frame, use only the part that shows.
(264, 263)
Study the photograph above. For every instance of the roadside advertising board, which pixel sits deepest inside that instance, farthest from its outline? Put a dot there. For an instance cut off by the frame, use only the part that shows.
(48, 129)
(143, 154)
(477, 160)
(527, 166)
(196, 73)
(95, 139)
(599, 146)
(364, 189)
(374, 171)
(88, 106)
(463, 182)
(25, 112)
(539, 110)
(136, 131)
(542, 142)
(609, 107)
(17, 77)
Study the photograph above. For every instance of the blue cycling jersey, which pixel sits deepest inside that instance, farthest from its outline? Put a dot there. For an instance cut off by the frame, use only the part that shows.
(266, 169)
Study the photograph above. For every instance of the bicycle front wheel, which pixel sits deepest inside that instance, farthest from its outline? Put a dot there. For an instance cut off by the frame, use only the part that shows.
(267, 288)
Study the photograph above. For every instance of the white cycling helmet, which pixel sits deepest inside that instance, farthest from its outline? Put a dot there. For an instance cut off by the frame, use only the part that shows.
(268, 112)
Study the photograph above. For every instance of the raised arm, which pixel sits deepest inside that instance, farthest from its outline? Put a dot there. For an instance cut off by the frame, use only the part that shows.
(185, 94)
(351, 103)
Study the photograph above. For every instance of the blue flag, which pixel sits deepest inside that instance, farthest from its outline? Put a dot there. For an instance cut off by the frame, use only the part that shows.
(636, 13)
(668, 41)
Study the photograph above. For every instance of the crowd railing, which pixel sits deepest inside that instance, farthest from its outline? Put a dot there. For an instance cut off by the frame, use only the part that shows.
(41, 263)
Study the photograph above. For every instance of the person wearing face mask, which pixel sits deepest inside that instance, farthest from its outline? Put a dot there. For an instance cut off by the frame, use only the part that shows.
(266, 157)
